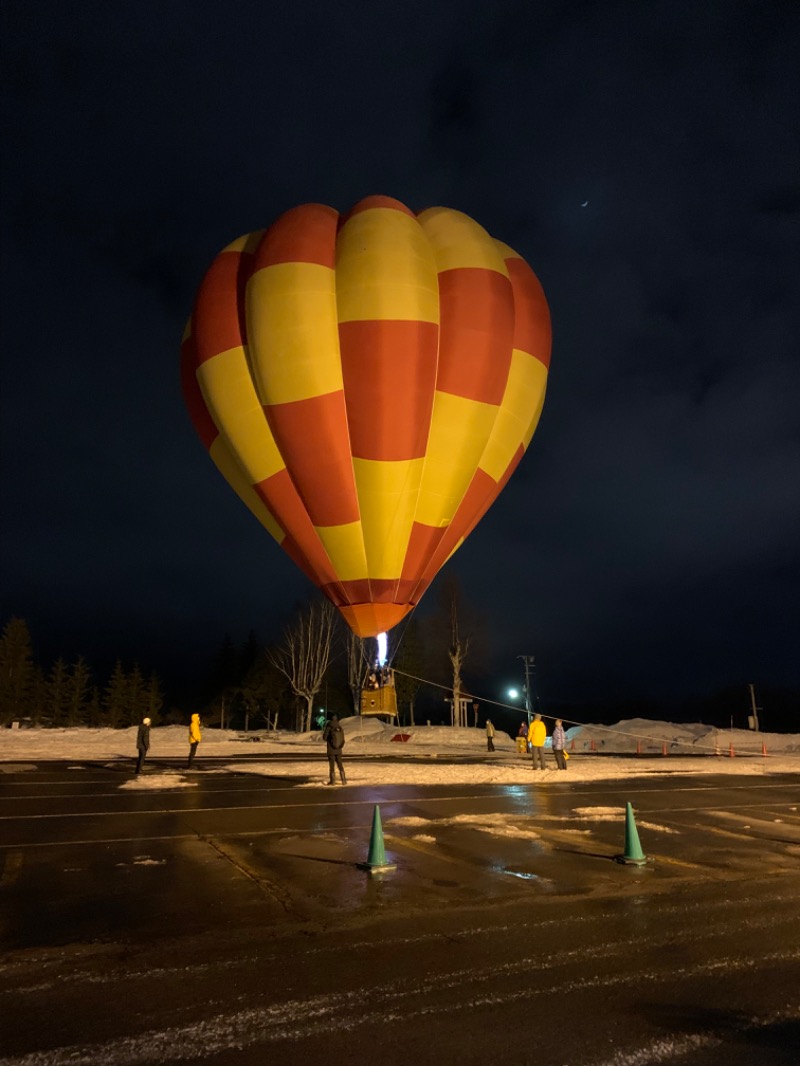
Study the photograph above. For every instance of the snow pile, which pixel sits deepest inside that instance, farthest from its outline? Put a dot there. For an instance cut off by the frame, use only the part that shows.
(645, 737)
(432, 755)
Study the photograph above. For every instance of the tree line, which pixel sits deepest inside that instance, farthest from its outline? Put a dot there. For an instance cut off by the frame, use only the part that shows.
(67, 693)
(316, 666)
(319, 666)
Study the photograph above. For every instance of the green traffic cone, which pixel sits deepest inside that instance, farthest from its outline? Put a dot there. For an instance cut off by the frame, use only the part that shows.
(376, 860)
(633, 854)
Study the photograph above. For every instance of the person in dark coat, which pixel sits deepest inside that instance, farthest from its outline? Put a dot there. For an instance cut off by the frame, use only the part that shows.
(333, 735)
(142, 743)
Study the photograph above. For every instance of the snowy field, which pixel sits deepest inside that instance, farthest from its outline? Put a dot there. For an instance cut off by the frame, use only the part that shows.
(431, 755)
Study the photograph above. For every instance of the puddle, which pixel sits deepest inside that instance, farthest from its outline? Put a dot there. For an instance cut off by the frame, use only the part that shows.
(522, 876)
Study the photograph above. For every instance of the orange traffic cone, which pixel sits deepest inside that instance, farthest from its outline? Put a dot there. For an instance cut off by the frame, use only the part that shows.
(763, 749)
(593, 746)
(638, 747)
(664, 748)
(731, 752)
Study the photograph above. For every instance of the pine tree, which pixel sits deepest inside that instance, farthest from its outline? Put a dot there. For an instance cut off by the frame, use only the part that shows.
(78, 688)
(136, 701)
(38, 698)
(115, 697)
(57, 689)
(248, 656)
(225, 669)
(154, 698)
(16, 671)
(94, 707)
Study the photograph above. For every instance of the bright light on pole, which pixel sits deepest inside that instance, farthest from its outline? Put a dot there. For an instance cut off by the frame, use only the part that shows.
(513, 694)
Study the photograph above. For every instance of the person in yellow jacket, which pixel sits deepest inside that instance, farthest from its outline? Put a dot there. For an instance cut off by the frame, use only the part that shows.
(537, 734)
(195, 736)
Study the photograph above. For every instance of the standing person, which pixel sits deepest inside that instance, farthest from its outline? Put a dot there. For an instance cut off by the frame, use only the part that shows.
(142, 743)
(195, 736)
(489, 735)
(522, 738)
(559, 742)
(537, 734)
(333, 735)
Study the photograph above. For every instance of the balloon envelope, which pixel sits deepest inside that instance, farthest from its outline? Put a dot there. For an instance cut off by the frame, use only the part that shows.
(367, 384)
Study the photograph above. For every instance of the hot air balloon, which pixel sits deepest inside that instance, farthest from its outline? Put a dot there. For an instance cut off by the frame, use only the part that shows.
(367, 383)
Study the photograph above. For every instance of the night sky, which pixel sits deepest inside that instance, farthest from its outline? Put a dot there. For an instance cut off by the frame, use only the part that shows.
(648, 543)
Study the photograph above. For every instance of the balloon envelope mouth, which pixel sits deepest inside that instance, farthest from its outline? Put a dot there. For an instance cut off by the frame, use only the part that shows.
(370, 619)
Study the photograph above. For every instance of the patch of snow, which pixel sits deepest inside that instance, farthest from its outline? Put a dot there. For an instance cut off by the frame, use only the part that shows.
(149, 782)
(434, 755)
(596, 812)
(495, 824)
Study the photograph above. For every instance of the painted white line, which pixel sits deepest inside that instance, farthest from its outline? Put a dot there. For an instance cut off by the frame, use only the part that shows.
(371, 802)
(89, 796)
(362, 828)
(383, 801)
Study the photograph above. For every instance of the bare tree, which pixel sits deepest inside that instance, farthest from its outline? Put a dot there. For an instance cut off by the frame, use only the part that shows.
(356, 657)
(458, 652)
(304, 653)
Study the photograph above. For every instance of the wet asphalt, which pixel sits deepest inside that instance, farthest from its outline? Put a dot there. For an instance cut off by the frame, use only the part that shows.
(229, 922)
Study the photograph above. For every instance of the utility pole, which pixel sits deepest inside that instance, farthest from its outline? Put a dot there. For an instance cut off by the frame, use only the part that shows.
(528, 661)
(754, 719)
